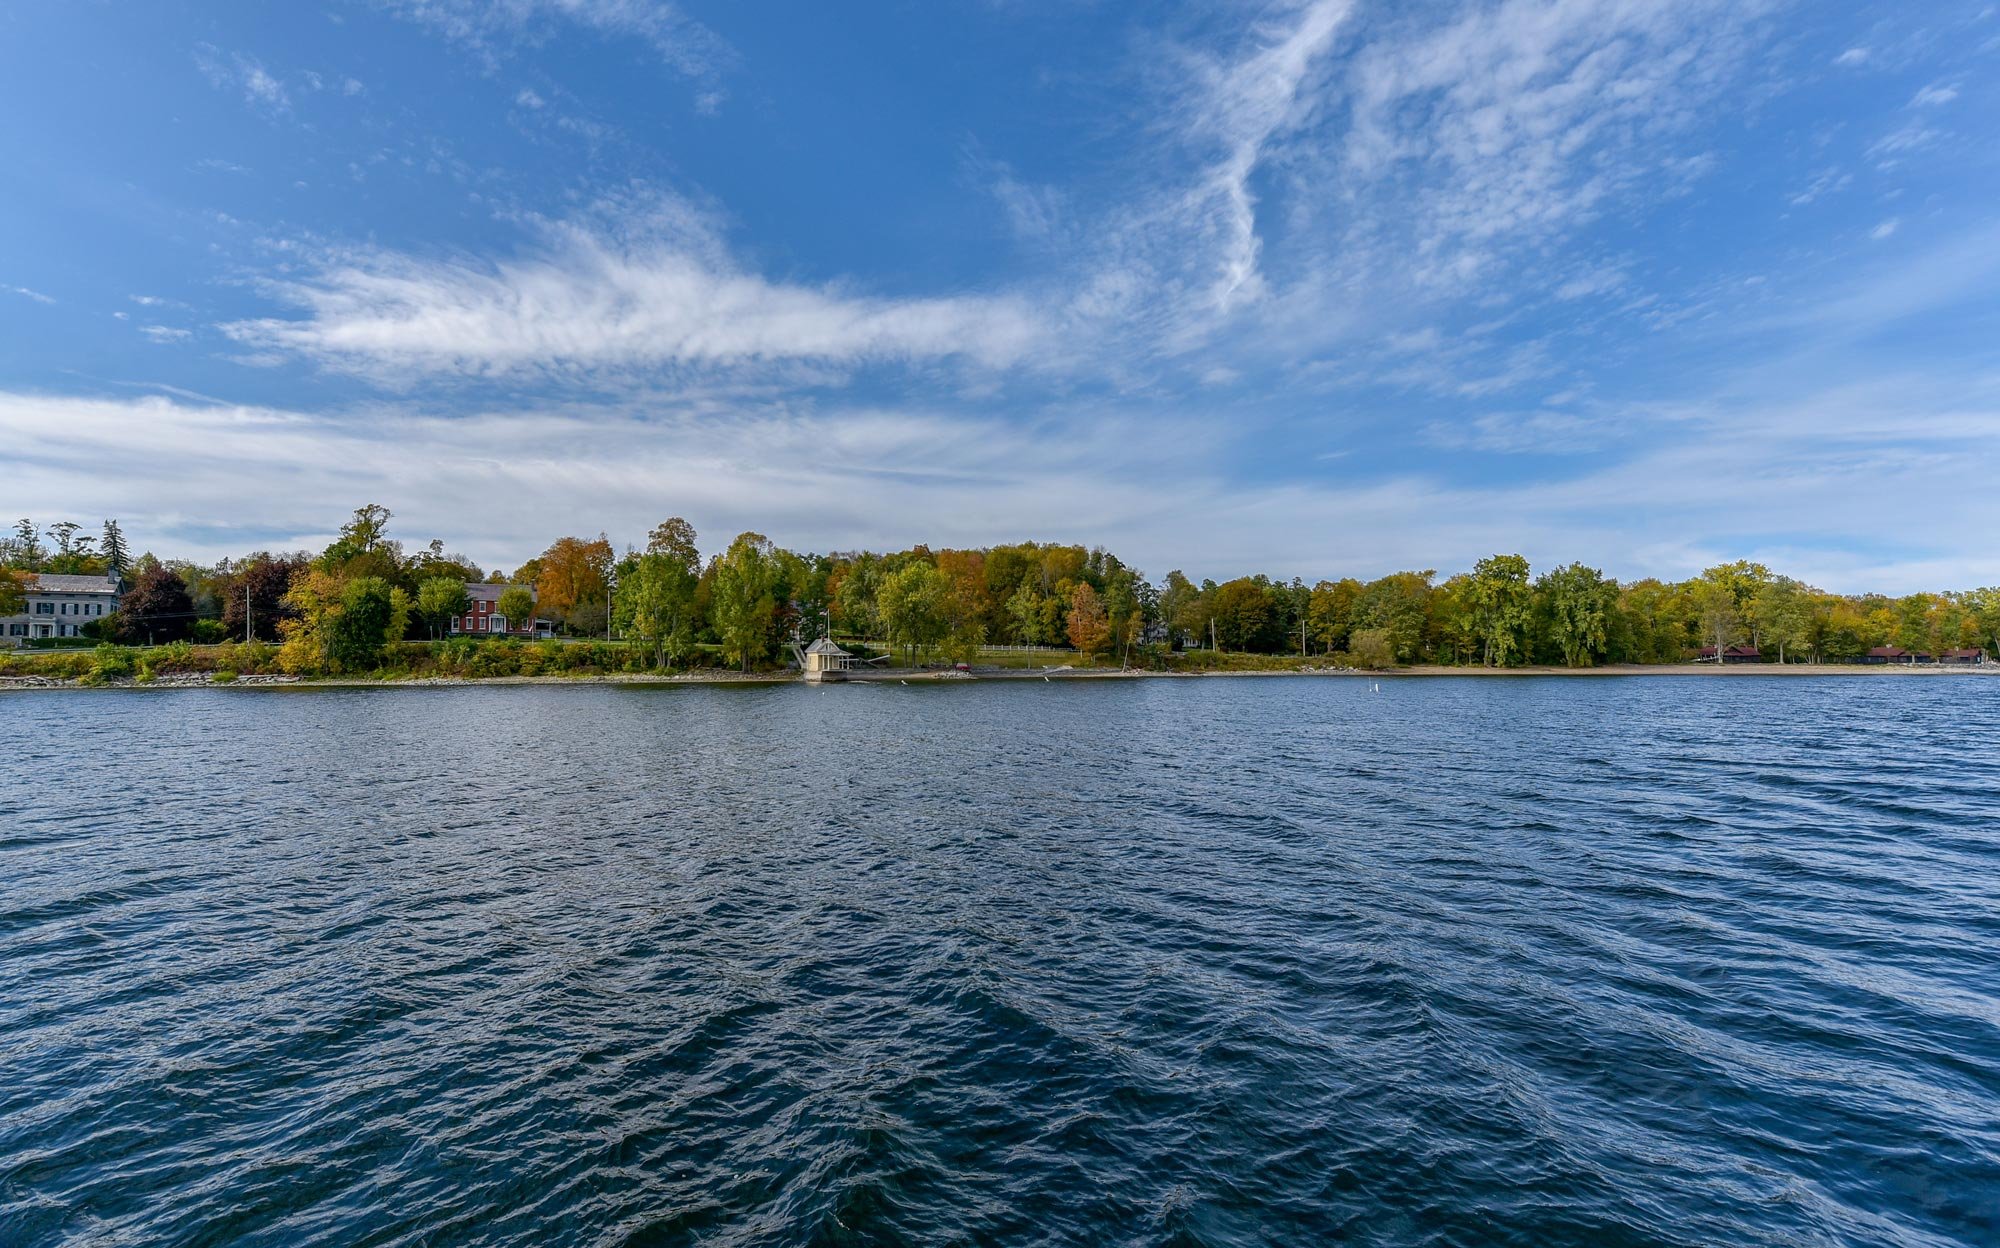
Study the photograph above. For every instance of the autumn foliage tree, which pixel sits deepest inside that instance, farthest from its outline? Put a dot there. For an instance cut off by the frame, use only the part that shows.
(573, 582)
(155, 609)
(1089, 625)
(259, 586)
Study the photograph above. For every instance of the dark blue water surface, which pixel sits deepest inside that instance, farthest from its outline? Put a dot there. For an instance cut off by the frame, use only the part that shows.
(1276, 961)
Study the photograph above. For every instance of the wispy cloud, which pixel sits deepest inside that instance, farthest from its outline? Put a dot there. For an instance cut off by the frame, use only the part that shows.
(166, 333)
(626, 289)
(1936, 95)
(491, 27)
(1519, 121)
(26, 293)
(235, 72)
(1251, 101)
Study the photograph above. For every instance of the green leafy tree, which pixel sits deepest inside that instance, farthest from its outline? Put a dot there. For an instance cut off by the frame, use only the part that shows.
(1984, 604)
(75, 553)
(742, 602)
(1243, 615)
(1330, 613)
(1124, 611)
(656, 604)
(27, 552)
(1783, 610)
(440, 600)
(401, 608)
(1501, 606)
(517, 604)
(1580, 603)
(1400, 605)
(913, 608)
(1719, 613)
(1742, 581)
(336, 625)
(1179, 604)
(1026, 615)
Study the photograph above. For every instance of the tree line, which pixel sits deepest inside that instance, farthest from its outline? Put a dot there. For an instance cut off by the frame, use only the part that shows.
(335, 611)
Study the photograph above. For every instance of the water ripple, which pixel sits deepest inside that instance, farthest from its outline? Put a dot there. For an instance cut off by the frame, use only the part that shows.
(1536, 962)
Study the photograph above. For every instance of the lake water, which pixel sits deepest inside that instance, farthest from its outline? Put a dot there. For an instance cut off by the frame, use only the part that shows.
(1276, 961)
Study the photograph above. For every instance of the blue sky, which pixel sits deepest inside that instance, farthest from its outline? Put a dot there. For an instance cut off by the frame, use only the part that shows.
(1313, 289)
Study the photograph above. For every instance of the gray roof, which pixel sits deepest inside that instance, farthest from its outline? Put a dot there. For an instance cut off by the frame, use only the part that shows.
(50, 583)
(824, 646)
(487, 591)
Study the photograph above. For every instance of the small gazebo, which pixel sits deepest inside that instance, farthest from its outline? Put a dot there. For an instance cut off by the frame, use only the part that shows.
(826, 661)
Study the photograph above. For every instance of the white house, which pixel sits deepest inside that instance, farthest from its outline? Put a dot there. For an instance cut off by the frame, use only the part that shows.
(59, 606)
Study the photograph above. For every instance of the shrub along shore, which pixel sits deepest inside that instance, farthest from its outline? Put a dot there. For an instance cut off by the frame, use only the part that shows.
(511, 661)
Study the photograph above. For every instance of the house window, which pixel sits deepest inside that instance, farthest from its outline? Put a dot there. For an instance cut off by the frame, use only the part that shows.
(17, 630)
(45, 608)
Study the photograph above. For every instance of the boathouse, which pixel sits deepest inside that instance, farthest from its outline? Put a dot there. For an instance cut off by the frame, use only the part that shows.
(824, 661)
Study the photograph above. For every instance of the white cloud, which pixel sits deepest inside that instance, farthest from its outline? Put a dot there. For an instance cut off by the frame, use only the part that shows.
(1735, 478)
(1884, 230)
(165, 333)
(617, 292)
(1893, 148)
(26, 293)
(1936, 95)
(1852, 57)
(1249, 103)
(234, 71)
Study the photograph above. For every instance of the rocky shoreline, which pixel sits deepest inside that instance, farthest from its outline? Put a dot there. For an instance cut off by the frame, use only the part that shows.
(205, 680)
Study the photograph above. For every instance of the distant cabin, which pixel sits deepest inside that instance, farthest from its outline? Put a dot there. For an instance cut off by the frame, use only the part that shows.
(1894, 654)
(1963, 658)
(1731, 654)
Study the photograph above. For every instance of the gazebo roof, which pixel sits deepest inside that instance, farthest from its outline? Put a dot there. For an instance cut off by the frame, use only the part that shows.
(824, 646)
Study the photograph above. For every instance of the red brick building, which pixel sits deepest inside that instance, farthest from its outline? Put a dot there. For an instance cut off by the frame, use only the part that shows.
(485, 617)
